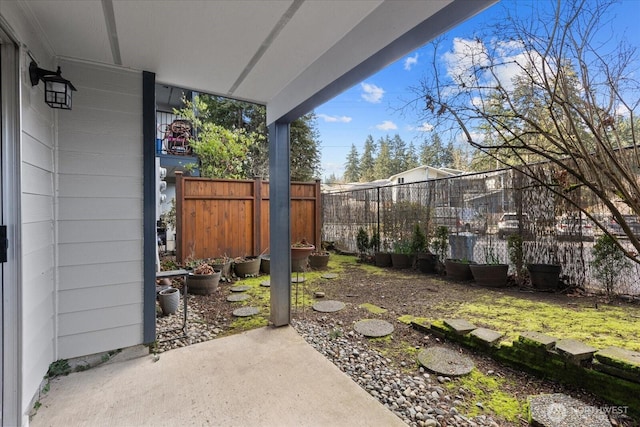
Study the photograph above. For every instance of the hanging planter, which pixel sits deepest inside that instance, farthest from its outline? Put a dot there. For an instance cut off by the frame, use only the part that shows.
(169, 300)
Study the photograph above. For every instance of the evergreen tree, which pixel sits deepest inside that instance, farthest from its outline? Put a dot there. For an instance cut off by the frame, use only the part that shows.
(352, 167)
(367, 161)
(305, 154)
(412, 157)
(398, 154)
(446, 156)
(383, 164)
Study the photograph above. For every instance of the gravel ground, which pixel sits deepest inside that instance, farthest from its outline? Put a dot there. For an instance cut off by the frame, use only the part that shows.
(419, 400)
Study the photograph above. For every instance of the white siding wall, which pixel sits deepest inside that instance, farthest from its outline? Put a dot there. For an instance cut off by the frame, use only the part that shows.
(37, 199)
(38, 241)
(100, 229)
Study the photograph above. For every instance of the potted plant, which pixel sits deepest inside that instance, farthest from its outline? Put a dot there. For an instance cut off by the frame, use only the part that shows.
(401, 257)
(223, 264)
(440, 247)
(425, 261)
(458, 269)
(203, 280)
(169, 300)
(382, 258)
(545, 276)
(319, 260)
(248, 266)
(300, 252)
(493, 272)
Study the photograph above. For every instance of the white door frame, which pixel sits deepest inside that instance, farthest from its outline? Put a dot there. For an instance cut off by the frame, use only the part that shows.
(10, 272)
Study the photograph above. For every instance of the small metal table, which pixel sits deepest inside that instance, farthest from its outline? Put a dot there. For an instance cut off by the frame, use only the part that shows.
(169, 274)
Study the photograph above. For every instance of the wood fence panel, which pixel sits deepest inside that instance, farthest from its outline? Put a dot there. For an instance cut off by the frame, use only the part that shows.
(225, 217)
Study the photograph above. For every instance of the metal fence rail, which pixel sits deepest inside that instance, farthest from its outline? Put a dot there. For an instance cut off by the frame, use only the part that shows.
(471, 207)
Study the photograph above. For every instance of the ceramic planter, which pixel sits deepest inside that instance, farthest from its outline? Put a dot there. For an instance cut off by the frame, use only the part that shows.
(319, 261)
(224, 266)
(265, 264)
(383, 259)
(300, 257)
(169, 300)
(491, 275)
(544, 277)
(203, 284)
(247, 267)
(458, 270)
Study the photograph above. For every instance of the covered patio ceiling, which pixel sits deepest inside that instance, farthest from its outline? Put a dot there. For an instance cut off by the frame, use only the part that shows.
(291, 55)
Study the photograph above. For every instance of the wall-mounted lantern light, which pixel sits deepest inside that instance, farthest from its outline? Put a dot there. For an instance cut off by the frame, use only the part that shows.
(57, 90)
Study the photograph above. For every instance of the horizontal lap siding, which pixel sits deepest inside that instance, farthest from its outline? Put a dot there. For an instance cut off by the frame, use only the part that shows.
(100, 210)
(38, 239)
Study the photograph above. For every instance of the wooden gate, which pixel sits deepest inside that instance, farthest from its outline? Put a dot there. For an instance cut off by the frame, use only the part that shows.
(217, 217)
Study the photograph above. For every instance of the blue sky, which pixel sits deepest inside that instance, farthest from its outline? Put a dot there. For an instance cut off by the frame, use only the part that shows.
(372, 107)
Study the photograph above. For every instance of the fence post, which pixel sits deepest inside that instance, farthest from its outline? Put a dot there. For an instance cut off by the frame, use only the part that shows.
(257, 215)
(179, 205)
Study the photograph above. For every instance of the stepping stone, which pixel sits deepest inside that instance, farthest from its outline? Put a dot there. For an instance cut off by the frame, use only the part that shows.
(242, 288)
(237, 297)
(318, 294)
(442, 360)
(298, 279)
(265, 284)
(537, 339)
(329, 306)
(373, 328)
(575, 351)
(557, 409)
(487, 336)
(245, 311)
(329, 276)
(460, 326)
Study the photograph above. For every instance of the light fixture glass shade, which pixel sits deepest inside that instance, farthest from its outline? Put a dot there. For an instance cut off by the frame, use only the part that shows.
(57, 94)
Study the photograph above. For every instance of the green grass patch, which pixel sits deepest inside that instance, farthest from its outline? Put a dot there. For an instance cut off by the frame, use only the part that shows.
(605, 326)
(488, 391)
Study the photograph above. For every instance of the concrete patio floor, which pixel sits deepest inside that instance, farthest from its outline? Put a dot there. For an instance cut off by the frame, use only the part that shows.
(264, 377)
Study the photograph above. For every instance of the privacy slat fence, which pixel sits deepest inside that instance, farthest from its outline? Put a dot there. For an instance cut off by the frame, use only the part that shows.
(218, 217)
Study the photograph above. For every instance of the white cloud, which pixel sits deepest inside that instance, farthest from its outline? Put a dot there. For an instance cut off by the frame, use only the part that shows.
(372, 93)
(425, 127)
(333, 119)
(386, 125)
(410, 62)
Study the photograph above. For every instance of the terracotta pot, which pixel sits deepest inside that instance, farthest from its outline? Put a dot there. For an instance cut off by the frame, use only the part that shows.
(203, 284)
(250, 266)
(491, 275)
(299, 252)
(458, 270)
(169, 300)
(383, 259)
(544, 277)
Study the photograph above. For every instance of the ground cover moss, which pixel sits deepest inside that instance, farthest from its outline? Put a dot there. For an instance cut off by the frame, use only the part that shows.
(407, 319)
(602, 327)
(488, 392)
(372, 308)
